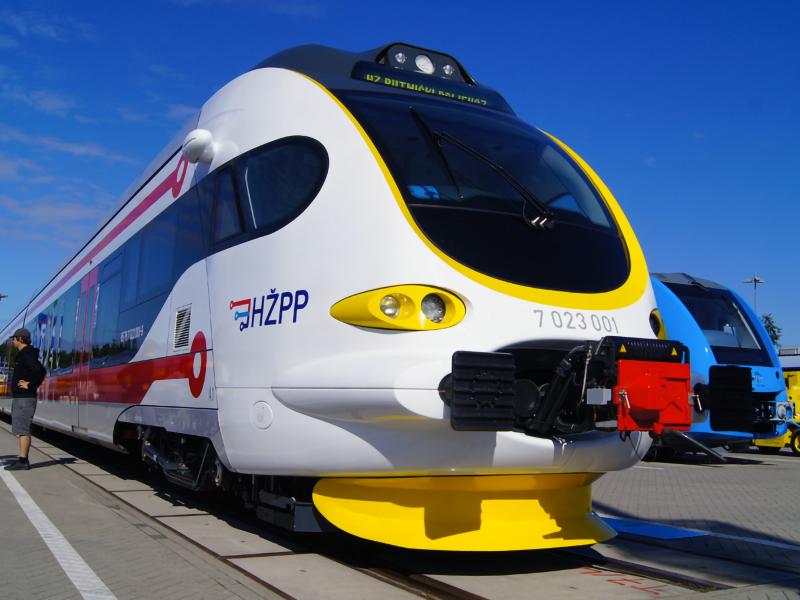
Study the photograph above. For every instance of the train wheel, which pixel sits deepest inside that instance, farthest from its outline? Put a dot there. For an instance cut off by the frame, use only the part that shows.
(795, 443)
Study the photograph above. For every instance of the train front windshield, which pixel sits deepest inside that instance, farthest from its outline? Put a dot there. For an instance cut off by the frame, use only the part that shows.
(474, 179)
(724, 323)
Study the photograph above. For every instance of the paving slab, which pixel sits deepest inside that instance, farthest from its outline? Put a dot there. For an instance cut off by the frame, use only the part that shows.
(112, 483)
(156, 504)
(84, 468)
(58, 454)
(579, 583)
(314, 577)
(221, 537)
(787, 590)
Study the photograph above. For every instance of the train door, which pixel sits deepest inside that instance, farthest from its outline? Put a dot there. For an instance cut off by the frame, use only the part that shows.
(87, 306)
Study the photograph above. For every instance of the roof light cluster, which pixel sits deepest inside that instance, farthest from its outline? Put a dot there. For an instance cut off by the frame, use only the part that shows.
(419, 60)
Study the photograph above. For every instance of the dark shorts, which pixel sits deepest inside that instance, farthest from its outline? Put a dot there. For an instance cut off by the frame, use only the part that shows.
(22, 410)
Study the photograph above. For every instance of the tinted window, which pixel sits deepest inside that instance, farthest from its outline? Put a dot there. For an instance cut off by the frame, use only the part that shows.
(67, 318)
(105, 338)
(80, 331)
(158, 245)
(105, 330)
(725, 325)
(227, 221)
(130, 272)
(460, 171)
(189, 246)
(281, 179)
(51, 339)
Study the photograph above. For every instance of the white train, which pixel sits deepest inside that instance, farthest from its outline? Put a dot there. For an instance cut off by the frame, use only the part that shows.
(360, 292)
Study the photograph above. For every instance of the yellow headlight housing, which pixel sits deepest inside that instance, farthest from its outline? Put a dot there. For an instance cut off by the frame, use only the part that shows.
(402, 307)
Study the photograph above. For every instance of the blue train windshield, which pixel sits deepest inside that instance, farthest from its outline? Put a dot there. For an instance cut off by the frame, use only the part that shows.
(725, 325)
(474, 179)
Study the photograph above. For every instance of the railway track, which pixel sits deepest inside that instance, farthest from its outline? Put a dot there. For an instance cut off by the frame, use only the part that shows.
(435, 575)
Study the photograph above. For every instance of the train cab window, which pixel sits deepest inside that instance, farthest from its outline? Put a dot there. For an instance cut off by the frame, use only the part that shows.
(227, 220)
(473, 179)
(731, 335)
(281, 179)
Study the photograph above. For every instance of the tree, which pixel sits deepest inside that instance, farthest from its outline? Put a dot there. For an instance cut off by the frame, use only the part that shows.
(772, 328)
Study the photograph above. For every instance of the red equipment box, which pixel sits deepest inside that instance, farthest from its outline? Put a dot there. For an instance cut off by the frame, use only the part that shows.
(653, 396)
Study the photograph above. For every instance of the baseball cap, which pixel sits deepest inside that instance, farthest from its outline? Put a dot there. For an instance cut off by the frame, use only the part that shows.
(22, 333)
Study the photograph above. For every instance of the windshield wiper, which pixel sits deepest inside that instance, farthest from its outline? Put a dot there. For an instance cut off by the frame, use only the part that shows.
(434, 141)
(545, 218)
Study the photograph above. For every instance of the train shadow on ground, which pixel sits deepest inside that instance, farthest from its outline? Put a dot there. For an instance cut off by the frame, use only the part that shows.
(713, 526)
(750, 456)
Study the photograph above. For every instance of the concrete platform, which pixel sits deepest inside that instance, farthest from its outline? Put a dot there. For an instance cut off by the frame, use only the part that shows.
(129, 553)
(687, 531)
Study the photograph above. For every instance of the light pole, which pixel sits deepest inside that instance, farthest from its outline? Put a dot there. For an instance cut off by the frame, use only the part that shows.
(755, 280)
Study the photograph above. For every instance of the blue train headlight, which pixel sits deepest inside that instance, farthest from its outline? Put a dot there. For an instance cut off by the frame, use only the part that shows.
(782, 411)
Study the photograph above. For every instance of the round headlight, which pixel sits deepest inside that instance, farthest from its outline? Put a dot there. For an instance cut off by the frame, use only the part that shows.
(400, 57)
(433, 308)
(424, 63)
(781, 411)
(390, 306)
(448, 70)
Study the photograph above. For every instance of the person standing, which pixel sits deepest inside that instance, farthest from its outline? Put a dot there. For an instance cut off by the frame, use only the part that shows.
(28, 376)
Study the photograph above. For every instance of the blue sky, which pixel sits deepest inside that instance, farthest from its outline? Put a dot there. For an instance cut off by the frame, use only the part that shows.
(688, 110)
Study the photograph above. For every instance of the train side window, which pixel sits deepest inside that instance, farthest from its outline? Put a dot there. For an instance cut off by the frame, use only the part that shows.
(281, 179)
(189, 246)
(130, 272)
(105, 337)
(69, 315)
(205, 197)
(48, 355)
(158, 244)
(37, 325)
(111, 266)
(227, 220)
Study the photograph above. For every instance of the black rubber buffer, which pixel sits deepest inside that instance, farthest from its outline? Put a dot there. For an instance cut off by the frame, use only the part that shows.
(482, 395)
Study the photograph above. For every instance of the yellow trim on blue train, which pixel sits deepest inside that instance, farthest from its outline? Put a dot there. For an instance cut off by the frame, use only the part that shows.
(465, 513)
(628, 293)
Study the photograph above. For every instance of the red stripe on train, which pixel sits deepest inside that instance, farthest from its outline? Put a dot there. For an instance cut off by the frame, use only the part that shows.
(129, 383)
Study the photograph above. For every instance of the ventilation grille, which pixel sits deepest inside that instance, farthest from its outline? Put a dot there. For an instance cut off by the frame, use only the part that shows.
(183, 324)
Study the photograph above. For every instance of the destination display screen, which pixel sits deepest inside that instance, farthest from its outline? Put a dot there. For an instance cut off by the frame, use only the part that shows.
(429, 86)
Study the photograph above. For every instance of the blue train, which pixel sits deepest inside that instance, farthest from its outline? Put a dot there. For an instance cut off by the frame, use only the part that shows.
(735, 369)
